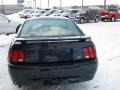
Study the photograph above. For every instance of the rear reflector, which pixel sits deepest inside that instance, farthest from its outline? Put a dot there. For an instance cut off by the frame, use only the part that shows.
(16, 55)
(89, 52)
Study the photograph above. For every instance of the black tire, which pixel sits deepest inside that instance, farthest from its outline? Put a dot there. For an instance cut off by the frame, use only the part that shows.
(82, 20)
(96, 19)
(113, 19)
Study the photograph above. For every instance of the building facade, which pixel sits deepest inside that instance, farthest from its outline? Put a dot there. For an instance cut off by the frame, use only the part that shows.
(9, 9)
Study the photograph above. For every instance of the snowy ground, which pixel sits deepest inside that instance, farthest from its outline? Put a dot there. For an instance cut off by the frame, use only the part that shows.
(106, 36)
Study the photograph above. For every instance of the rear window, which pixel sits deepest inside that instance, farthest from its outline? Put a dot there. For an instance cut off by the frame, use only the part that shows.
(49, 27)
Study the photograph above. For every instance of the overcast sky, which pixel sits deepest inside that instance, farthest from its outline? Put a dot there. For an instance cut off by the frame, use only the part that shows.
(64, 2)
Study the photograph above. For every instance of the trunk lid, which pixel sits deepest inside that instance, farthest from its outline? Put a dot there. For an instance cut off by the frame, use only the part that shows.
(63, 49)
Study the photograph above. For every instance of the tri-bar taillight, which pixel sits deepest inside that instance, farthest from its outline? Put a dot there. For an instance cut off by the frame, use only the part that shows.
(89, 52)
(16, 55)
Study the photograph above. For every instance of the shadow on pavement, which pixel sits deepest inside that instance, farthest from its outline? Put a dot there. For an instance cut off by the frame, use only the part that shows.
(61, 86)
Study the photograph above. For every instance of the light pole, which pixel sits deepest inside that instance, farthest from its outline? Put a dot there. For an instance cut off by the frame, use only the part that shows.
(40, 4)
(60, 3)
(82, 4)
(48, 3)
(104, 4)
(3, 10)
(28, 4)
(31, 4)
(35, 4)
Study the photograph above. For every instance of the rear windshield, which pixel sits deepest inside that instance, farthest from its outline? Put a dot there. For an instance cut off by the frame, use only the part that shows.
(49, 27)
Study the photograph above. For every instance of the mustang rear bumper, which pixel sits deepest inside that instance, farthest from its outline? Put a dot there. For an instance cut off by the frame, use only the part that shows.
(25, 75)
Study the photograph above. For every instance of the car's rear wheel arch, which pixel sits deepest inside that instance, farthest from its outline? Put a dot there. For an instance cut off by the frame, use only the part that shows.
(113, 18)
(96, 19)
(82, 20)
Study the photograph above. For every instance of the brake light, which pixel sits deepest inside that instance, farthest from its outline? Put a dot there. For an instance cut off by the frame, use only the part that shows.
(94, 49)
(16, 55)
(86, 53)
(89, 52)
(21, 56)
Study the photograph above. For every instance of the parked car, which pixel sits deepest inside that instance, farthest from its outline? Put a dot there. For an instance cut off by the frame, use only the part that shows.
(68, 12)
(40, 13)
(110, 14)
(72, 16)
(29, 13)
(57, 13)
(87, 15)
(34, 13)
(48, 12)
(7, 26)
(24, 12)
(57, 50)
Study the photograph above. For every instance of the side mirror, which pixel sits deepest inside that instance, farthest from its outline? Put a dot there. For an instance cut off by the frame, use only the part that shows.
(18, 27)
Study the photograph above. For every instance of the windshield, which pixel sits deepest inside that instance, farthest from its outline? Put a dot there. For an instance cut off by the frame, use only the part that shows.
(55, 27)
(81, 11)
(74, 11)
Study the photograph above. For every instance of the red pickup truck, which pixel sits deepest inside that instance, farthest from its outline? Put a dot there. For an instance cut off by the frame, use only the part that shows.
(110, 14)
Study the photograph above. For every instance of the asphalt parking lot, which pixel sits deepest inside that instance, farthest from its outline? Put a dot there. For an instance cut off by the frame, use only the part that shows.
(106, 36)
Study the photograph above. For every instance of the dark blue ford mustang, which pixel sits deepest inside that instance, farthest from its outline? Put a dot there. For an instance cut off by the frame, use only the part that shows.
(47, 49)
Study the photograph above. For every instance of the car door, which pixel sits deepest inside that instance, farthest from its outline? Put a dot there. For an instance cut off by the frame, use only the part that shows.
(113, 12)
(90, 14)
(119, 14)
(6, 26)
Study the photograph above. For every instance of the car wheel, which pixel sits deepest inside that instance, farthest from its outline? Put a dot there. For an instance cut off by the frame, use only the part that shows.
(113, 19)
(82, 20)
(96, 19)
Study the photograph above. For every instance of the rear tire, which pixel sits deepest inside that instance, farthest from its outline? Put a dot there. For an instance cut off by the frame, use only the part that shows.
(96, 19)
(113, 19)
(82, 20)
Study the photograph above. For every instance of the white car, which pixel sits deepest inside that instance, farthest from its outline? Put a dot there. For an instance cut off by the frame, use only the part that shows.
(34, 13)
(24, 13)
(57, 13)
(7, 26)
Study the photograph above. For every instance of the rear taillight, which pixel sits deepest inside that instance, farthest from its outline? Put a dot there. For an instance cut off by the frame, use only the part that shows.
(86, 53)
(16, 56)
(89, 52)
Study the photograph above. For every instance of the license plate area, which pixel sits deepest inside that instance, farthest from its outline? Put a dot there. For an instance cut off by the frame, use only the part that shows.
(56, 55)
